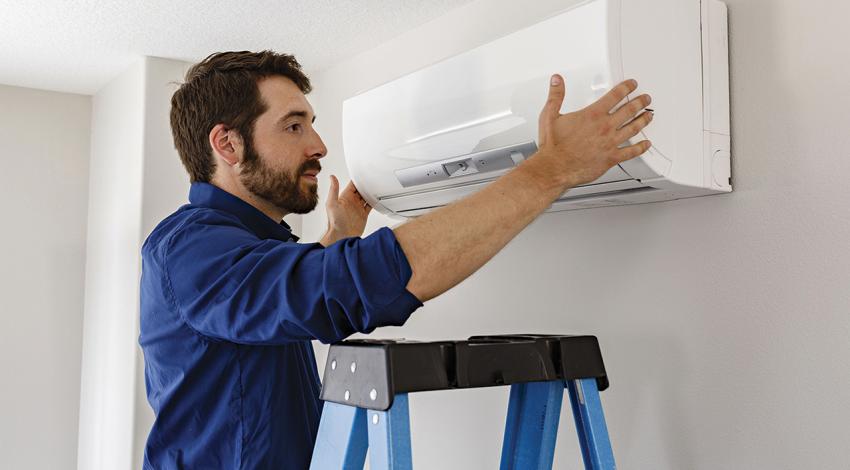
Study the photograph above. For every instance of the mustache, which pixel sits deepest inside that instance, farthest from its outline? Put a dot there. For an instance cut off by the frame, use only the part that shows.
(310, 165)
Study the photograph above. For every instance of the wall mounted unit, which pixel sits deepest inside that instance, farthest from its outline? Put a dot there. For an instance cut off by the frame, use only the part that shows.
(441, 133)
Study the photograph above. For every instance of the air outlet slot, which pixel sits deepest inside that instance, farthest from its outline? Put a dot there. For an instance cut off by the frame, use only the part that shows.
(608, 194)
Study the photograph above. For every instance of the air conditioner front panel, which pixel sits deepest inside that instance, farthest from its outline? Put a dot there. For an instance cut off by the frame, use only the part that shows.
(422, 133)
(487, 98)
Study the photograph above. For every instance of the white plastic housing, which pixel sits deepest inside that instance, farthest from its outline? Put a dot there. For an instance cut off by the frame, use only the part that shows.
(441, 133)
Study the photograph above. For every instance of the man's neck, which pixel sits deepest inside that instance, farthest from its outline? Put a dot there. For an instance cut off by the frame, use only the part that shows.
(238, 190)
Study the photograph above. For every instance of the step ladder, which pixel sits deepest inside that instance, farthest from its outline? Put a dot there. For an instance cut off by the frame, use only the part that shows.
(366, 383)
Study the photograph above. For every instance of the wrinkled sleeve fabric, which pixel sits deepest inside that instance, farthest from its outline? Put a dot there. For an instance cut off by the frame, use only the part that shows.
(227, 284)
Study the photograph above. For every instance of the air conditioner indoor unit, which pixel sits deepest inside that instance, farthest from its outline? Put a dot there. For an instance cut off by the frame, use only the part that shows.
(445, 131)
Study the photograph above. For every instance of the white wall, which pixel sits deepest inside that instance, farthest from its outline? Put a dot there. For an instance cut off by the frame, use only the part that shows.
(112, 274)
(45, 138)
(723, 320)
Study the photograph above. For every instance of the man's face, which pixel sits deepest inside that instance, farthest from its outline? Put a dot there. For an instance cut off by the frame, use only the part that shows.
(282, 162)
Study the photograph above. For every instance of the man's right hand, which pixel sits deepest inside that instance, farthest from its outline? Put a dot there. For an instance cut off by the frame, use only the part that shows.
(447, 245)
(581, 146)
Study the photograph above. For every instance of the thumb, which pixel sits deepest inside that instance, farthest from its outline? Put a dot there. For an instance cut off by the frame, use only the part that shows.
(552, 109)
(333, 191)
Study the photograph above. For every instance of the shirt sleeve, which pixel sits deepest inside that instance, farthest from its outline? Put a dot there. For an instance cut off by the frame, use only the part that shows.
(229, 285)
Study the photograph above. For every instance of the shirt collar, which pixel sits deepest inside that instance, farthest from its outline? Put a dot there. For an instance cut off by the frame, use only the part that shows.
(208, 195)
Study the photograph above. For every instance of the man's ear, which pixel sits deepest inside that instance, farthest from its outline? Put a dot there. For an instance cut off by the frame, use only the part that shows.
(226, 144)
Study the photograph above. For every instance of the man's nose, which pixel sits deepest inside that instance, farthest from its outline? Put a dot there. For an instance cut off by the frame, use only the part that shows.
(318, 149)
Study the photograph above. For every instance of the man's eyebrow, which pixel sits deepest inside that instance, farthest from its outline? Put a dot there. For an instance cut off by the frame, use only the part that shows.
(298, 113)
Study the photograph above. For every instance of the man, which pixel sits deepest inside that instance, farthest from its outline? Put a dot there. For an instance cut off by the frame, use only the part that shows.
(230, 301)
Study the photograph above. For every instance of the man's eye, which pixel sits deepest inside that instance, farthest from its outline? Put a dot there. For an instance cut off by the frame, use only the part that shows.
(294, 127)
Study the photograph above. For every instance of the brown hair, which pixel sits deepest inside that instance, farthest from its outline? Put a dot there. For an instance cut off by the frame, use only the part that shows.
(223, 89)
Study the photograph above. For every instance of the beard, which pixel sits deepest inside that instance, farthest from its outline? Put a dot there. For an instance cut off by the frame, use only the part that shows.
(280, 187)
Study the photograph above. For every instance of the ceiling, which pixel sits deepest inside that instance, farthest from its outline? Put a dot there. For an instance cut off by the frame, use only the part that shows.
(78, 46)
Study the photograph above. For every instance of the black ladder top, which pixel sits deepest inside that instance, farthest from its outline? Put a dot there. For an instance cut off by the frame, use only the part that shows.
(368, 373)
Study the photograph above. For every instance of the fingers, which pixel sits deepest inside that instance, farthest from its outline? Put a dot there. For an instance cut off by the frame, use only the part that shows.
(552, 108)
(633, 128)
(361, 200)
(350, 189)
(607, 102)
(333, 191)
(632, 151)
(351, 195)
(351, 192)
(631, 109)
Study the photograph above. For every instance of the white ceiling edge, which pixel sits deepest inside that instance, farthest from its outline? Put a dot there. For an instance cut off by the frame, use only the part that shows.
(79, 46)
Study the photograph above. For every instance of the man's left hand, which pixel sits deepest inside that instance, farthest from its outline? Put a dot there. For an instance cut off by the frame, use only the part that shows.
(347, 213)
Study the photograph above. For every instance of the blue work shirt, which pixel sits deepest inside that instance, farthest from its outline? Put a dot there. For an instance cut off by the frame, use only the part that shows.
(229, 304)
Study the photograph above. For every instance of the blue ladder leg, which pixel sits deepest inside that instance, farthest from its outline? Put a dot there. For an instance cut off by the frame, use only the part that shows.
(590, 425)
(389, 436)
(532, 425)
(341, 442)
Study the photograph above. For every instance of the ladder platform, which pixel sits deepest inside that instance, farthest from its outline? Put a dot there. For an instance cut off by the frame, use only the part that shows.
(367, 373)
